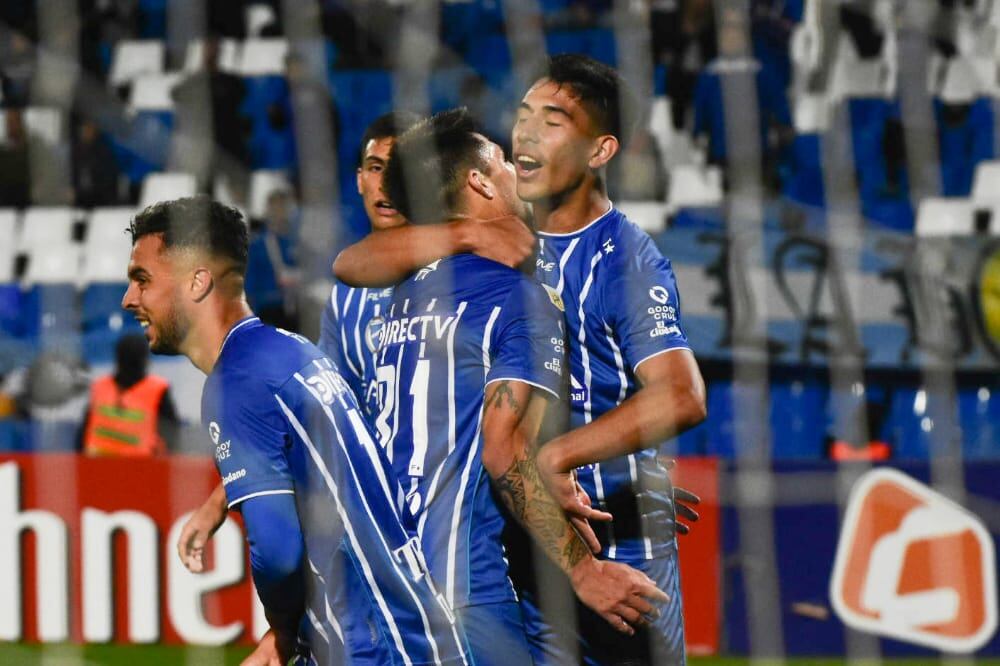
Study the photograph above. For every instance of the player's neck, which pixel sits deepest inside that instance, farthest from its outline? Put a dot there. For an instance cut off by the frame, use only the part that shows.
(573, 210)
(204, 343)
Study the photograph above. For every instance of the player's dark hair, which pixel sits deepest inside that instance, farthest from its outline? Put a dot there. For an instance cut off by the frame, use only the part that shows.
(196, 222)
(448, 144)
(387, 126)
(601, 90)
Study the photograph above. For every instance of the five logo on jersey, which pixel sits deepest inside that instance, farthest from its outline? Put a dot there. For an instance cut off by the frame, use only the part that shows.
(913, 565)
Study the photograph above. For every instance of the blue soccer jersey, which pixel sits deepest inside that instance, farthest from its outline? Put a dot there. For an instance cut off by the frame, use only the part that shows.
(454, 327)
(284, 421)
(349, 331)
(622, 308)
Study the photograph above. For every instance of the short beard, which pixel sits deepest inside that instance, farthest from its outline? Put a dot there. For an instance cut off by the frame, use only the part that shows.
(171, 334)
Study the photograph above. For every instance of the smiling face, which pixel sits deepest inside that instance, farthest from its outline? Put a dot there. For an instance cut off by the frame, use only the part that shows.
(502, 173)
(380, 212)
(154, 295)
(554, 140)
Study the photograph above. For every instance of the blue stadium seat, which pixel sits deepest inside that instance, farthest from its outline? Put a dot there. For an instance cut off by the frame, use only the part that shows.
(566, 41)
(720, 421)
(145, 145)
(797, 423)
(50, 310)
(11, 317)
(490, 55)
(802, 176)
(965, 138)
(916, 423)
(153, 19)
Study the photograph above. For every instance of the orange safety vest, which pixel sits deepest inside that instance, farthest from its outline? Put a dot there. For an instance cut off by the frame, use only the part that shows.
(874, 450)
(124, 423)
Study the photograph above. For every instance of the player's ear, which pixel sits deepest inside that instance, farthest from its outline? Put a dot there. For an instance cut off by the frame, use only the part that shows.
(481, 183)
(605, 147)
(202, 283)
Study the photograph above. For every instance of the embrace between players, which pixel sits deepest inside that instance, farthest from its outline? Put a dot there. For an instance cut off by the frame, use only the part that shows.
(388, 478)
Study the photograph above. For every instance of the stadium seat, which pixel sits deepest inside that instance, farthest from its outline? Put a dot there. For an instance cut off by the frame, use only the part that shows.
(165, 186)
(916, 423)
(44, 226)
(650, 216)
(135, 57)
(44, 123)
(965, 138)
(53, 264)
(986, 185)
(945, 217)
(152, 92)
(693, 187)
(257, 17)
(797, 422)
(262, 183)
(812, 114)
(260, 57)
(108, 226)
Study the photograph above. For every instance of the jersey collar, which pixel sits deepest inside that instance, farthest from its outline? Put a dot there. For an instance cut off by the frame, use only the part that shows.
(242, 323)
(600, 218)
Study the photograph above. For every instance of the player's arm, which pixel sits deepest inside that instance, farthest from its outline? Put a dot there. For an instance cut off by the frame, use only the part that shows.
(671, 400)
(277, 562)
(200, 527)
(403, 250)
(513, 413)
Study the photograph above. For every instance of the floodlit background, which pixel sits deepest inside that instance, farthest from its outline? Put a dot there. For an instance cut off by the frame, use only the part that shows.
(820, 173)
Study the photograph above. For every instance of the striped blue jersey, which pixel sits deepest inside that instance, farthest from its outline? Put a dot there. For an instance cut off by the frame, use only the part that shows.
(622, 308)
(349, 329)
(454, 327)
(284, 421)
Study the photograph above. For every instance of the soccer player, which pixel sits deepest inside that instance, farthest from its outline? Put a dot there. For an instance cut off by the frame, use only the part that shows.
(328, 552)
(470, 357)
(634, 380)
(353, 316)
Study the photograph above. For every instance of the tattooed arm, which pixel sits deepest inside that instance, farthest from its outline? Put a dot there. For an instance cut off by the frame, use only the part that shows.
(513, 413)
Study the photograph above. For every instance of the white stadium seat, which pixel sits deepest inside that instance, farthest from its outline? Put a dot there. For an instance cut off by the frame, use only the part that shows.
(106, 265)
(135, 57)
(260, 57)
(44, 123)
(152, 92)
(262, 183)
(694, 186)
(650, 216)
(165, 186)
(46, 226)
(54, 264)
(945, 217)
(986, 184)
(8, 238)
(106, 228)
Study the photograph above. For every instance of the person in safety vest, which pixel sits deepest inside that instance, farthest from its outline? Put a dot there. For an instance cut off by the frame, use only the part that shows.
(131, 412)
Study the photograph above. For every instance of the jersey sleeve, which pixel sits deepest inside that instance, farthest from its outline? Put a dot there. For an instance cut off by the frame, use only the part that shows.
(528, 342)
(642, 308)
(329, 331)
(250, 443)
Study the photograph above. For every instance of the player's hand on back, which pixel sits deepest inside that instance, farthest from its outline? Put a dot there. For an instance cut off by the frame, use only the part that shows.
(571, 497)
(683, 498)
(506, 240)
(271, 651)
(199, 528)
(625, 597)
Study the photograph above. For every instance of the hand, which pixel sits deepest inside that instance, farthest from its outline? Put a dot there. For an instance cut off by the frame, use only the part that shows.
(582, 525)
(506, 240)
(623, 596)
(266, 652)
(682, 498)
(199, 528)
(568, 493)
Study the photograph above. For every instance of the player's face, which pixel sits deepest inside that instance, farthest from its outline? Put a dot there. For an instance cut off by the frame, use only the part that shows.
(154, 295)
(502, 173)
(553, 139)
(380, 212)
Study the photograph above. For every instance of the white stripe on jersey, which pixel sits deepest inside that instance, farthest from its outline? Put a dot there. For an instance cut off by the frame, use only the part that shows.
(333, 302)
(258, 494)
(451, 375)
(314, 621)
(466, 471)
(330, 617)
(357, 332)
(563, 260)
(349, 528)
(344, 339)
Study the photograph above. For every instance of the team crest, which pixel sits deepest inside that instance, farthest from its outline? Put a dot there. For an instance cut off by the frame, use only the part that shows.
(555, 298)
(373, 333)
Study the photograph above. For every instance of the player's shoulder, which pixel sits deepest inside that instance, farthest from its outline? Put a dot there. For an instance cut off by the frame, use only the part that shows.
(629, 247)
(263, 357)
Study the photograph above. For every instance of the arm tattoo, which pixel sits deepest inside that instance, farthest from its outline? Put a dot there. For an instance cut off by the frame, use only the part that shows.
(522, 491)
(504, 394)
